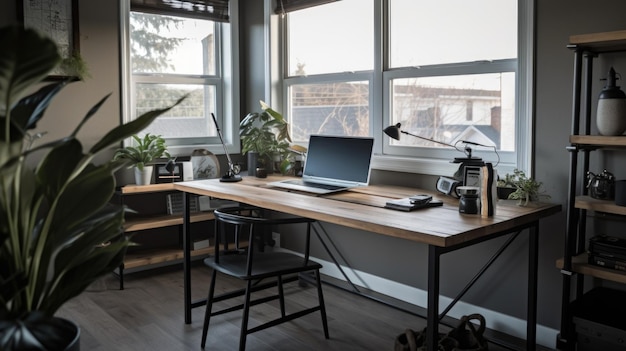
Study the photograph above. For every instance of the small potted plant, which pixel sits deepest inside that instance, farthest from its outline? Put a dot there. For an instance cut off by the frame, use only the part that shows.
(264, 137)
(526, 189)
(146, 150)
(506, 186)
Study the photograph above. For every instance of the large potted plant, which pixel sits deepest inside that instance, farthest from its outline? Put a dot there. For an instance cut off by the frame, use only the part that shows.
(55, 216)
(142, 153)
(264, 136)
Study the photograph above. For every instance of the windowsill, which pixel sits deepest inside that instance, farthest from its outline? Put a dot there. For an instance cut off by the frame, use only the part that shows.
(426, 166)
(414, 165)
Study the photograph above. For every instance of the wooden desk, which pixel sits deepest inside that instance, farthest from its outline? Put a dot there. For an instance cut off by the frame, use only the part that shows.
(443, 229)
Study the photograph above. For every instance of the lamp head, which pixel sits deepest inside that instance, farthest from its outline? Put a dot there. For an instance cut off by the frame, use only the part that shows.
(393, 131)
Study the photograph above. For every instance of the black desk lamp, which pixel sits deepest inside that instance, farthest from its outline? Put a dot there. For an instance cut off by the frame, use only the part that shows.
(394, 132)
(232, 175)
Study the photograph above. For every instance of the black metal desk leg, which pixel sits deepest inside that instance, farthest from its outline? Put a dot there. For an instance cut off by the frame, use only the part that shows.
(531, 319)
(432, 317)
(187, 257)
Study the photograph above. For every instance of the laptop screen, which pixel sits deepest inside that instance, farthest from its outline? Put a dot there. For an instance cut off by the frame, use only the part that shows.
(339, 158)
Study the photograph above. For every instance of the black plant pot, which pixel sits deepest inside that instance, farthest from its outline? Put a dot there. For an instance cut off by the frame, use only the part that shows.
(504, 192)
(38, 332)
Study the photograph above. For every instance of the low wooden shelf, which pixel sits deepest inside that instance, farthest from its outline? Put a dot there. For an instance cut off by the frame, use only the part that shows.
(135, 222)
(161, 255)
(580, 264)
(143, 223)
(598, 140)
(608, 206)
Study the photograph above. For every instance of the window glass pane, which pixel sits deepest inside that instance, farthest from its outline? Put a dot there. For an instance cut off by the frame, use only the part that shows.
(330, 108)
(427, 32)
(336, 37)
(190, 119)
(166, 44)
(478, 108)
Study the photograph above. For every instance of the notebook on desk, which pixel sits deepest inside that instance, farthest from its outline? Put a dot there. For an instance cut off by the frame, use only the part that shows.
(333, 163)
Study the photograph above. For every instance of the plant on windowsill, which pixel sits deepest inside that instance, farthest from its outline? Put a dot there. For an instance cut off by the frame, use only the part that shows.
(506, 186)
(265, 135)
(55, 207)
(526, 189)
(142, 153)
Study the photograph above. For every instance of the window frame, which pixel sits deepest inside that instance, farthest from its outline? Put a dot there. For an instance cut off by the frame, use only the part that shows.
(226, 82)
(393, 158)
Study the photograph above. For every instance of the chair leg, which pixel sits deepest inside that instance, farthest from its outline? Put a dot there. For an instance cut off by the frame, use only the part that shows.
(320, 296)
(244, 320)
(281, 295)
(209, 307)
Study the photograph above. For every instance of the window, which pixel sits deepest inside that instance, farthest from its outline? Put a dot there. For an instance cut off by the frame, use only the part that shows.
(172, 52)
(450, 76)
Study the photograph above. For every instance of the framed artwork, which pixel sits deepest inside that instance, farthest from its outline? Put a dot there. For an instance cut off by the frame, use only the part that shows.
(205, 164)
(58, 19)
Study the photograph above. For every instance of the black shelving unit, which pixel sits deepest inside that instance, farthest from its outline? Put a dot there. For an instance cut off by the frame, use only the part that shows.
(573, 265)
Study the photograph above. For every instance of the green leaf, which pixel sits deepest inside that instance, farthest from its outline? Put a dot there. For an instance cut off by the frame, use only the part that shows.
(25, 59)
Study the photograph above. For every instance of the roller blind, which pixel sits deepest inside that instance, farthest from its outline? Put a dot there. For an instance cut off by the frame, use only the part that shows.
(216, 10)
(284, 6)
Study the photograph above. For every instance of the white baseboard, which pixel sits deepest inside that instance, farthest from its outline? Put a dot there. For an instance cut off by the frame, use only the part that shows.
(495, 320)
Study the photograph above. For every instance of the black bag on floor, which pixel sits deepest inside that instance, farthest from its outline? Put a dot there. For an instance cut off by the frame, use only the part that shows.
(465, 337)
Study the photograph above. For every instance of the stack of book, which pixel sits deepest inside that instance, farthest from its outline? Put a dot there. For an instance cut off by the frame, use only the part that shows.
(608, 252)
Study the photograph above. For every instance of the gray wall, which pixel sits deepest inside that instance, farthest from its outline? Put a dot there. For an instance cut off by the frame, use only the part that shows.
(387, 257)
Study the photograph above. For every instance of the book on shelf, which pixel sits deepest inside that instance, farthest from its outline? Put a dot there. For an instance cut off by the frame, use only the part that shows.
(607, 262)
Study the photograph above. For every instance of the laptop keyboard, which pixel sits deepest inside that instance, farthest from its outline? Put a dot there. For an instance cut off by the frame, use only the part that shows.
(316, 185)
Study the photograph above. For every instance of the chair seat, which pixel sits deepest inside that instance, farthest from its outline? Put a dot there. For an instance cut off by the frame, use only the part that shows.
(265, 264)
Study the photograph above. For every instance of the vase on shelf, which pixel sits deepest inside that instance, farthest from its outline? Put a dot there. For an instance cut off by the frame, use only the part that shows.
(611, 114)
(143, 176)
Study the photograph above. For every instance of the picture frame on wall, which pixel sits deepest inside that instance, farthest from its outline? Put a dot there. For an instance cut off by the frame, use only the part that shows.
(57, 19)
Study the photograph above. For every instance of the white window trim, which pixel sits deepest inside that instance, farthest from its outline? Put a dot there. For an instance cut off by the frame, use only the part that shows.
(420, 165)
(230, 84)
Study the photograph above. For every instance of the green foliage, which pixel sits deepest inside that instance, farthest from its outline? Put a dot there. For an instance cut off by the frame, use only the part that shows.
(526, 189)
(508, 180)
(150, 50)
(145, 151)
(55, 217)
(265, 132)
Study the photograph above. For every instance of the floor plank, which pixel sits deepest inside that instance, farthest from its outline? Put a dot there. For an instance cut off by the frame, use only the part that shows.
(148, 315)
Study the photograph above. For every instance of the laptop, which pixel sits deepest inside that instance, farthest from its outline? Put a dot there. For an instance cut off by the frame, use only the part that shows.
(333, 163)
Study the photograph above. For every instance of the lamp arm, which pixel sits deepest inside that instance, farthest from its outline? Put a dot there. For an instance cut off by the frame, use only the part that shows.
(424, 138)
(231, 175)
(219, 133)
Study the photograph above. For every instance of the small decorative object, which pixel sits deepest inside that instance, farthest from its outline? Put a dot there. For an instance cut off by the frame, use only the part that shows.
(169, 172)
(601, 186)
(147, 149)
(611, 115)
(205, 164)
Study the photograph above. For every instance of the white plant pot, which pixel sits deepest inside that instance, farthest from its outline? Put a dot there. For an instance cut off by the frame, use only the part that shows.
(143, 177)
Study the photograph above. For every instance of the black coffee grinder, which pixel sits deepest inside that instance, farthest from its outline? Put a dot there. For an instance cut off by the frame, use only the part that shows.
(469, 202)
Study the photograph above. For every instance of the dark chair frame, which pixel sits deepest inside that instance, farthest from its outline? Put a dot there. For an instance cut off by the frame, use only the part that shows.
(254, 265)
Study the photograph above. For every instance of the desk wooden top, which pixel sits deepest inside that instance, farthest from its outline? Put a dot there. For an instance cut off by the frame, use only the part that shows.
(363, 208)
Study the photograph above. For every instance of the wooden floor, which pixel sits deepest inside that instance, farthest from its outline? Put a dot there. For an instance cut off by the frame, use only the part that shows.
(148, 315)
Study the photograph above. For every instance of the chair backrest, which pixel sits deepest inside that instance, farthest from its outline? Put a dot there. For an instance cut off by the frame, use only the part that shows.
(254, 221)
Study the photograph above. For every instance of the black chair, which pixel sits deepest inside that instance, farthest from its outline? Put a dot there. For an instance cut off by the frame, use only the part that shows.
(261, 268)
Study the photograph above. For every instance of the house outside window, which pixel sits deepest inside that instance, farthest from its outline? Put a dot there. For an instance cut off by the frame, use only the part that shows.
(450, 76)
(170, 53)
